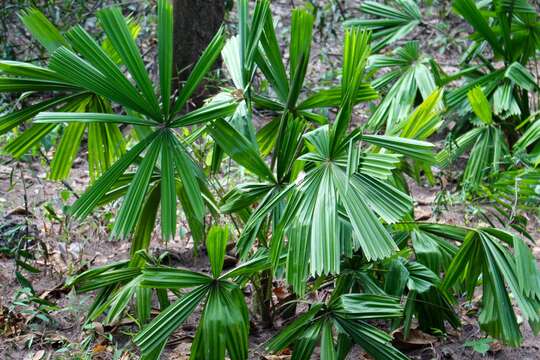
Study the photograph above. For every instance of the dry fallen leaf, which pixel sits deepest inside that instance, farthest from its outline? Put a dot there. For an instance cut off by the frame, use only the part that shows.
(19, 211)
(39, 355)
(280, 292)
(99, 348)
(416, 339)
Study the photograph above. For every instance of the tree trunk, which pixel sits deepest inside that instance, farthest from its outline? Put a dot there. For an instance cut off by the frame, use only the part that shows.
(195, 24)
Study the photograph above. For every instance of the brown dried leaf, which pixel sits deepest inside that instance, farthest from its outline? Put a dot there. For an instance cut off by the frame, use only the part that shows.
(39, 355)
(98, 348)
(417, 339)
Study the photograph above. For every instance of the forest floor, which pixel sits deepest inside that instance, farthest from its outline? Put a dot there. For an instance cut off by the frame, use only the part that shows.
(31, 207)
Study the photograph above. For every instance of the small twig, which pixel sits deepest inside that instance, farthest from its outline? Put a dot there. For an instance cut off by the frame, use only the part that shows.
(22, 243)
(341, 9)
(25, 198)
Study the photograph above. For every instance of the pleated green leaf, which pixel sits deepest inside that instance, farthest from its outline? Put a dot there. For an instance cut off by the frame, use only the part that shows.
(15, 118)
(387, 201)
(374, 341)
(328, 351)
(299, 215)
(27, 70)
(356, 50)
(421, 279)
(117, 30)
(223, 326)
(132, 204)
(470, 12)
(250, 39)
(143, 304)
(367, 306)
(28, 139)
(292, 331)
(66, 151)
(209, 342)
(527, 271)
(239, 148)
(390, 23)
(80, 72)
(375, 241)
(118, 303)
(425, 119)
(216, 243)
(521, 76)
(483, 255)
(98, 57)
(305, 344)
(325, 244)
(480, 105)
(454, 149)
(87, 117)
(238, 325)
(332, 97)
(232, 59)
(243, 196)
(530, 136)
(145, 226)
(42, 29)
(396, 277)
(201, 68)
(478, 164)
(152, 336)
(256, 263)
(93, 272)
(432, 251)
(168, 191)
(172, 278)
(106, 143)
(110, 277)
(165, 51)
(415, 149)
(265, 207)
(455, 97)
(472, 249)
(106, 44)
(188, 172)
(212, 111)
(270, 60)
(397, 103)
(299, 52)
(378, 165)
(86, 203)
(8, 84)
(290, 146)
(195, 220)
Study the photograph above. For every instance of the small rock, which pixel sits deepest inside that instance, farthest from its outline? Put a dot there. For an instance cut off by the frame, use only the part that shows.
(5, 172)
(75, 250)
(423, 214)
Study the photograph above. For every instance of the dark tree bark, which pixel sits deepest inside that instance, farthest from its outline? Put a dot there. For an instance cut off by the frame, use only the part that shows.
(195, 24)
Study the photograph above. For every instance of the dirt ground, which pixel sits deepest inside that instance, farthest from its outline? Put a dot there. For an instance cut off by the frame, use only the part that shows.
(28, 198)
